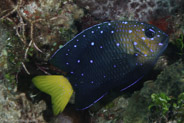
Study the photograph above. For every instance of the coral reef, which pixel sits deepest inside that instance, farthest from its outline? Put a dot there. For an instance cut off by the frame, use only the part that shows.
(63, 118)
(105, 9)
(11, 55)
(143, 10)
(15, 107)
(112, 112)
(71, 116)
(39, 24)
(52, 12)
(3, 52)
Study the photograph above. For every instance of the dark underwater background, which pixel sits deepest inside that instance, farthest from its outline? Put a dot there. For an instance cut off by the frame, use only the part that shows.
(32, 30)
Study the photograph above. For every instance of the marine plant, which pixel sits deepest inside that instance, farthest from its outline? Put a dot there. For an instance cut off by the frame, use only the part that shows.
(167, 108)
(179, 43)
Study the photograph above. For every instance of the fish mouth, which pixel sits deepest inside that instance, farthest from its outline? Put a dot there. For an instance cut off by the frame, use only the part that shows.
(165, 41)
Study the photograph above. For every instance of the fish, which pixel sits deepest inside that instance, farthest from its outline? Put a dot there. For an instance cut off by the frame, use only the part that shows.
(110, 55)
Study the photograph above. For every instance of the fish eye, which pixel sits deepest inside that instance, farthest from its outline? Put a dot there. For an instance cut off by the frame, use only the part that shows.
(150, 33)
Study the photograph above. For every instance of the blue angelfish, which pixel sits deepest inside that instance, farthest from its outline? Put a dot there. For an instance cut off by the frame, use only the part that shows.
(101, 58)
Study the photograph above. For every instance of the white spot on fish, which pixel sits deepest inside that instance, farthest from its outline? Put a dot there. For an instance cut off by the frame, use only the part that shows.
(143, 30)
(91, 61)
(66, 54)
(112, 31)
(77, 40)
(82, 74)
(143, 38)
(67, 63)
(78, 61)
(160, 44)
(158, 35)
(84, 35)
(109, 24)
(126, 22)
(152, 39)
(92, 32)
(117, 44)
(92, 82)
(114, 66)
(72, 72)
(130, 31)
(101, 31)
(101, 47)
(135, 43)
(98, 27)
(92, 43)
(75, 46)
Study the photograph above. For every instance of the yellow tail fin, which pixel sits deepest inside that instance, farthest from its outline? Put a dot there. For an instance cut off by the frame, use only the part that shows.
(58, 87)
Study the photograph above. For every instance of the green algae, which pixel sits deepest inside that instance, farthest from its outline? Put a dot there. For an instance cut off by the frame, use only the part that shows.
(11, 52)
(180, 44)
(165, 108)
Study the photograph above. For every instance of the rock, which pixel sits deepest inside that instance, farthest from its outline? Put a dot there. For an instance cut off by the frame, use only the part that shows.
(10, 111)
(15, 107)
(144, 10)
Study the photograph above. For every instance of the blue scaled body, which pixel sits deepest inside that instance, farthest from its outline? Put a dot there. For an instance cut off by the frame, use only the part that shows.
(107, 56)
